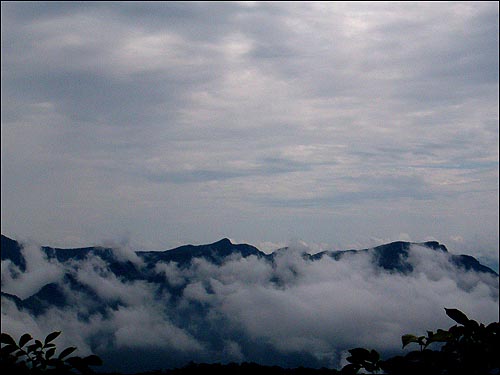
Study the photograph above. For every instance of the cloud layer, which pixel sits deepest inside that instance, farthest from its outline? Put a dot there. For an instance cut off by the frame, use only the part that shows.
(289, 312)
(185, 122)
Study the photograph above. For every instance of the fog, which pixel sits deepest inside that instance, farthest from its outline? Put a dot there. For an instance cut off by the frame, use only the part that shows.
(289, 312)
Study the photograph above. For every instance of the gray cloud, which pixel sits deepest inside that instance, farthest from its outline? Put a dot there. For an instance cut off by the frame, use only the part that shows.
(299, 312)
(267, 167)
(181, 122)
(39, 272)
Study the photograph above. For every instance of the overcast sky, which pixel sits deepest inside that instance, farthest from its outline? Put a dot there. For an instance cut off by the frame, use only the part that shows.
(338, 124)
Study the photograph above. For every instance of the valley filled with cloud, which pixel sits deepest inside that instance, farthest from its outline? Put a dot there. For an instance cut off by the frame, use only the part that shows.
(288, 311)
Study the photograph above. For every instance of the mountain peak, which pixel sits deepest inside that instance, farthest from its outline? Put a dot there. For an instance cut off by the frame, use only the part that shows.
(434, 245)
(392, 256)
(224, 242)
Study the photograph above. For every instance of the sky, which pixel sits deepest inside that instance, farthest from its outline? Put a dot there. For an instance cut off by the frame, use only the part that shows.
(339, 125)
(290, 312)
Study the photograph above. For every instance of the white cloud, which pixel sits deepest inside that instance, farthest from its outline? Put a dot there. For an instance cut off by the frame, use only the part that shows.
(173, 274)
(39, 272)
(124, 252)
(94, 273)
(320, 308)
(144, 326)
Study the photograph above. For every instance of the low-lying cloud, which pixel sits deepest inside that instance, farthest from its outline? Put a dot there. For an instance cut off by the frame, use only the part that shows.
(39, 272)
(297, 311)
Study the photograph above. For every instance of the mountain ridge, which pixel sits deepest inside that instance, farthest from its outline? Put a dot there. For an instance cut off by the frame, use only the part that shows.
(389, 256)
(215, 294)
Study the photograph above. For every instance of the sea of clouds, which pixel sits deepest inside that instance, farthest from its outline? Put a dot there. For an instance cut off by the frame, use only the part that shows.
(289, 312)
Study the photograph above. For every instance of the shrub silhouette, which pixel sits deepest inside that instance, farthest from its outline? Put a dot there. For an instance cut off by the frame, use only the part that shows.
(40, 358)
(469, 348)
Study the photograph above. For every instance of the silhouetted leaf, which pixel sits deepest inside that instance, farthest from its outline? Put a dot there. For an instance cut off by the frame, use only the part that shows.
(472, 324)
(495, 326)
(92, 360)
(414, 355)
(440, 336)
(7, 349)
(54, 362)
(50, 353)
(370, 367)
(20, 353)
(66, 352)
(374, 356)
(407, 339)
(24, 339)
(51, 336)
(360, 353)
(77, 363)
(350, 369)
(33, 347)
(457, 316)
(7, 339)
(73, 360)
(457, 331)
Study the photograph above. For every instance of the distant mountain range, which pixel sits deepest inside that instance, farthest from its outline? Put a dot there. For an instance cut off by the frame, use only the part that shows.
(145, 310)
(391, 257)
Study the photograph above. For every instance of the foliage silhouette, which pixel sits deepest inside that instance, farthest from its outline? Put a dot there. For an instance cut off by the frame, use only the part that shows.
(40, 358)
(469, 348)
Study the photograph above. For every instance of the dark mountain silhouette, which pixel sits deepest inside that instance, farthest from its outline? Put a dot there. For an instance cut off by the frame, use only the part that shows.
(470, 263)
(11, 250)
(215, 252)
(392, 257)
(183, 288)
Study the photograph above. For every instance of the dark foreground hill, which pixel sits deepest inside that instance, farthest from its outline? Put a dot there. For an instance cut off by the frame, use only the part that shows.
(245, 368)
